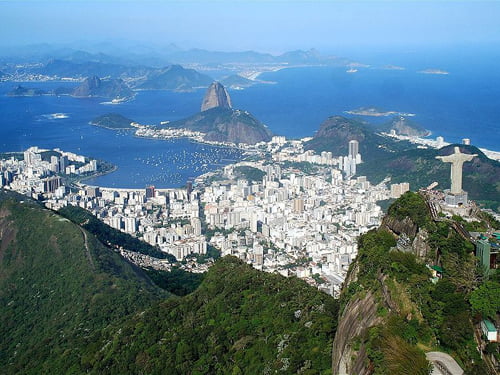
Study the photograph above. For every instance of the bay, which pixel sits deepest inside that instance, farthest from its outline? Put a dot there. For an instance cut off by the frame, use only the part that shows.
(462, 104)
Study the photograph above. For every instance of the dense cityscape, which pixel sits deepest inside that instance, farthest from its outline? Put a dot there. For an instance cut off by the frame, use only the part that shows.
(296, 213)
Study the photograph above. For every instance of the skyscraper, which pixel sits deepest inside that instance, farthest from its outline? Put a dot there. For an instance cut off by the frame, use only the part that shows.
(150, 191)
(353, 148)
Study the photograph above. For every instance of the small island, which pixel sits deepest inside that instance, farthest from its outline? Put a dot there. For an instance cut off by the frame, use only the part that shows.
(375, 112)
(26, 91)
(434, 71)
(113, 121)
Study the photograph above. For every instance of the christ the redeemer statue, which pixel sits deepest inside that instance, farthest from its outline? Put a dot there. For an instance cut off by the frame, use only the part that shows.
(457, 160)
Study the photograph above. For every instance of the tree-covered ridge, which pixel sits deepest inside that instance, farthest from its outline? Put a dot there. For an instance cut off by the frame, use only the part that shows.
(410, 205)
(58, 286)
(416, 314)
(239, 321)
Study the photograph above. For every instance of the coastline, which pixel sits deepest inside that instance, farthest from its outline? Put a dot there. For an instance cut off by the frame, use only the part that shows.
(99, 174)
(494, 155)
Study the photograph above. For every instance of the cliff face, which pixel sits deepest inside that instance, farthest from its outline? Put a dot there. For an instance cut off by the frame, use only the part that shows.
(216, 96)
(393, 308)
(359, 315)
(398, 227)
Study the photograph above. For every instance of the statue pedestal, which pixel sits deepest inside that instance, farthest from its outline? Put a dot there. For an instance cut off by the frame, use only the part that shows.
(456, 199)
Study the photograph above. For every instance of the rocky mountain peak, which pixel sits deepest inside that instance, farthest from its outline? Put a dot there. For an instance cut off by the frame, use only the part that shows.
(216, 96)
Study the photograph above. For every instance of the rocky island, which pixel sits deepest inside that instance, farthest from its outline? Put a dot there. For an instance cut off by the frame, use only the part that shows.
(434, 71)
(26, 91)
(375, 112)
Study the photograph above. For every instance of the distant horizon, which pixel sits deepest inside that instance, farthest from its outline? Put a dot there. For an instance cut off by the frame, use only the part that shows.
(265, 26)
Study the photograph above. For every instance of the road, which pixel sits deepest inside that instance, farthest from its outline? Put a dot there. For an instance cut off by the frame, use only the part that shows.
(444, 363)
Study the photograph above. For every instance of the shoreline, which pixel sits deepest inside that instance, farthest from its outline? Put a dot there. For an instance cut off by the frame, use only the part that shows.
(491, 154)
(79, 180)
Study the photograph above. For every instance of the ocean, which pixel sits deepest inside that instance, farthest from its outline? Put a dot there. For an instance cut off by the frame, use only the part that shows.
(462, 104)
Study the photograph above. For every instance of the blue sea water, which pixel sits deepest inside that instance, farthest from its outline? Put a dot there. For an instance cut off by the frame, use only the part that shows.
(27, 121)
(462, 104)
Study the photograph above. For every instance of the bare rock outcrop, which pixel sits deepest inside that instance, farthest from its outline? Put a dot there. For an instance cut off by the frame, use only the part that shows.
(216, 96)
(397, 226)
(358, 316)
(420, 244)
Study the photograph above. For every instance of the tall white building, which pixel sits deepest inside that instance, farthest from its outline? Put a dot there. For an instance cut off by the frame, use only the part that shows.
(353, 148)
(130, 224)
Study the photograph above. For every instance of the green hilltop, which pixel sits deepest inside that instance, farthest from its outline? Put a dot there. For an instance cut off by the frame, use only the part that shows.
(239, 321)
(226, 125)
(58, 287)
(113, 121)
(400, 311)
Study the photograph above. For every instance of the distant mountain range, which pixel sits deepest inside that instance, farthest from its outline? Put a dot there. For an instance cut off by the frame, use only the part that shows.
(85, 68)
(138, 61)
(174, 77)
(133, 54)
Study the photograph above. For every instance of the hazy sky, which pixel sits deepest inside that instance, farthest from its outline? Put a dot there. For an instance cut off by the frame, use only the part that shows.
(272, 26)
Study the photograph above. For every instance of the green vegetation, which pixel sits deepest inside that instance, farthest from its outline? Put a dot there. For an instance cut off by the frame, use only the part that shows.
(226, 125)
(422, 316)
(112, 121)
(411, 205)
(303, 166)
(111, 236)
(485, 300)
(58, 286)
(239, 320)
(177, 281)
(335, 133)
(249, 173)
